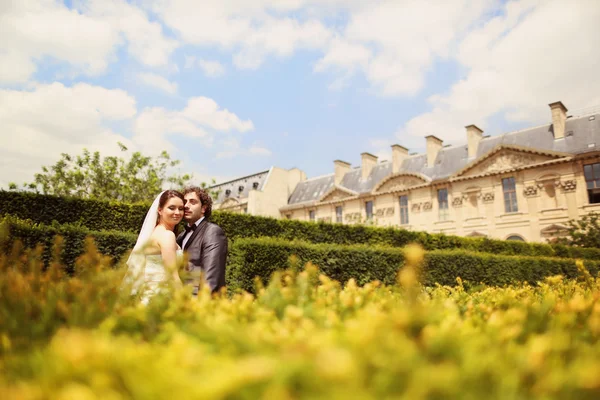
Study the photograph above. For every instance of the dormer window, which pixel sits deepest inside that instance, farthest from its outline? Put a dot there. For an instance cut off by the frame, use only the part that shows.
(241, 188)
(255, 185)
(227, 192)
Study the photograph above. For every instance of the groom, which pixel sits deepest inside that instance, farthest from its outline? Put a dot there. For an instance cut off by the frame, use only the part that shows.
(204, 242)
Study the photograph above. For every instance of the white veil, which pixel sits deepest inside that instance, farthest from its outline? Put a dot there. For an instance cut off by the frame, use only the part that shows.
(137, 260)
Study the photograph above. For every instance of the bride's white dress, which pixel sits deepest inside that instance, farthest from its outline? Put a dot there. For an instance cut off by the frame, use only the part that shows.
(156, 275)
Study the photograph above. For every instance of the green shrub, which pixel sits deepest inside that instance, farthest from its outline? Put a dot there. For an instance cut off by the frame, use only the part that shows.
(101, 215)
(109, 243)
(91, 214)
(250, 258)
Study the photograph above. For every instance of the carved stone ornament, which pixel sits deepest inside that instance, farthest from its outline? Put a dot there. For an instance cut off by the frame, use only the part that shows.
(506, 160)
(530, 191)
(427, 206)
(457, 201)
(542, 185)
(352, 217)
(471, 194)
(325, 219)
(569, 185)
(416, 207)
(389, 211)
(488, 197)
(399, 184)
(379, 212)
(336, 195)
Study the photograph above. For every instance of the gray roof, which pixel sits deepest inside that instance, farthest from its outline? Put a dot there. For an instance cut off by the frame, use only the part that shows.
(246, 183)
(311, 189)
(580, 134)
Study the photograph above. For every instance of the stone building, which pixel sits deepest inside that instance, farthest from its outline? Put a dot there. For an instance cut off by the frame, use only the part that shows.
(263, 193)
(522, 185)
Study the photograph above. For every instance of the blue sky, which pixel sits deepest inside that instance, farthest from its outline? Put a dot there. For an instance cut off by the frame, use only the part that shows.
(232, 87)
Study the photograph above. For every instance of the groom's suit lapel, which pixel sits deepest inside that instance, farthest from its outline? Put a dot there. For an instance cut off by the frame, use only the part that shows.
(198, 231)
(180, 237)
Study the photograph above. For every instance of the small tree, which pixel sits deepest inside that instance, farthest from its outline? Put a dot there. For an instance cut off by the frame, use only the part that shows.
(583, 232)
(110, 178)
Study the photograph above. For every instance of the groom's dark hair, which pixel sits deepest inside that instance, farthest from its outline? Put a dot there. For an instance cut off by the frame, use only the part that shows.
(204, 197)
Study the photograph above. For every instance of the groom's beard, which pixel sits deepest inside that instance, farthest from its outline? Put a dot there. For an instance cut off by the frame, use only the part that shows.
(190, 219)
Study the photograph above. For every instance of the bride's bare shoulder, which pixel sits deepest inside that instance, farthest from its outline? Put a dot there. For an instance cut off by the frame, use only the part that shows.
(162, 235)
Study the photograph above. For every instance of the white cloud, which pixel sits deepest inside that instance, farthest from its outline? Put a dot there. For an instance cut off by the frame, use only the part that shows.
(49, 119)
(29, 33)
(153, 126)
(251, 30)
(190, 61)
(200, 119)
(207, 112)
(533, 54)
(40, 124)
(86, 38)
(344, 55)
(259, 151)
(157, 81)
(145, 39)
(394, 43)
(233, 148)
(212, 69)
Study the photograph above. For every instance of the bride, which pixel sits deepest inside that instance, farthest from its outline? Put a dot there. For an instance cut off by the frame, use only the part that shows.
(156, 255)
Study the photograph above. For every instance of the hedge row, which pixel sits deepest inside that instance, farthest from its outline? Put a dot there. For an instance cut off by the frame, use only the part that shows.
(99, 215)
(90, 214)
(111, 243)
(251, 258)
(260, 257)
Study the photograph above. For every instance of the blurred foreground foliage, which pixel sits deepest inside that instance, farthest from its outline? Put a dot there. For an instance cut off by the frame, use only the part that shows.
(302, 335)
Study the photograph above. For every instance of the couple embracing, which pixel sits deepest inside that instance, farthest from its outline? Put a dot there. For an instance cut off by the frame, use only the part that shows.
(159, 250)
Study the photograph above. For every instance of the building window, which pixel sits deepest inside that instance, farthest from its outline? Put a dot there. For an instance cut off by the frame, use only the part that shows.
(592, 181)
(510, 195)
(311, 215)
(338, 214)
(403, 210)
(443, 204)
(515, 238)
(369, 210)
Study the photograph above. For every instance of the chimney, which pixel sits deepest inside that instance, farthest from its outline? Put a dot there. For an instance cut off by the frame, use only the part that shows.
(340, 168)
(399, 154)
(434, 145)
(559, 116)
(368, 161)
(474, 135)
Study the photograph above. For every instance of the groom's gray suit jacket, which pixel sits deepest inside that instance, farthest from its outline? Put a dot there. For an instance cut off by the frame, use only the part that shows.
(207, 254)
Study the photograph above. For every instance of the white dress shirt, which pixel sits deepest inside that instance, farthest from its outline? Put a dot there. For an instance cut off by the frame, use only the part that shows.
(189, 234)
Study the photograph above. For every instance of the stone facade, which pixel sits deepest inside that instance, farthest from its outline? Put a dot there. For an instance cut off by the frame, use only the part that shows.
(263, 193)
(523, 185)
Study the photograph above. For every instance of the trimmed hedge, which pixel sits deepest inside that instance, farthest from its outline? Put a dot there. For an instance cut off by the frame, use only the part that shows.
(250, 258)
(91, 214)
(110, 243)
(101, 215)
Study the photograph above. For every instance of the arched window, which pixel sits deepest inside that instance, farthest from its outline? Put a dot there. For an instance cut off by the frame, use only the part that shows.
(515, 237)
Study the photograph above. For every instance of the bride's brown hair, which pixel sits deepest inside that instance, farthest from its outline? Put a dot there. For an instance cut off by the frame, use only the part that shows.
(169, 194)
